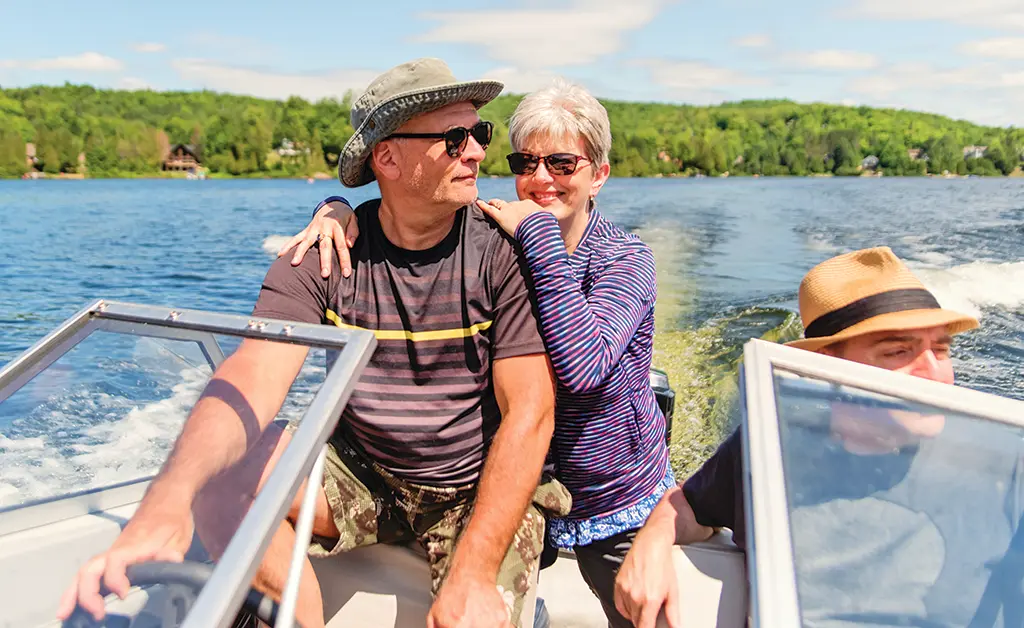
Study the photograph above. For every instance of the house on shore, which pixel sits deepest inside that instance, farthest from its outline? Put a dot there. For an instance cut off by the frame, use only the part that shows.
(31, 161)
(288, 148)
(976, 152)
(182, 157)
(32, 164)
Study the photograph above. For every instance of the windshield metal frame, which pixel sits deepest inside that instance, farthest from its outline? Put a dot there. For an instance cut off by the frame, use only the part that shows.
(218, 602)
(770, 559)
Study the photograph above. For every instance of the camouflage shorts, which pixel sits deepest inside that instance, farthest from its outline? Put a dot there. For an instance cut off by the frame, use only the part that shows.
(371, 506)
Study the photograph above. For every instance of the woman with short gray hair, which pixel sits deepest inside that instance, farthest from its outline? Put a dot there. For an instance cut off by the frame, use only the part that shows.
(563, 109)
(595, 291)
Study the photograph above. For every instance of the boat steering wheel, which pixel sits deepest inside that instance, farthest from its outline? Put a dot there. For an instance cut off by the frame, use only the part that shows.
(183, 581)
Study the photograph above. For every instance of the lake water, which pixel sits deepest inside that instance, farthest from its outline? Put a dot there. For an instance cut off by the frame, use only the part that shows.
(727, 250)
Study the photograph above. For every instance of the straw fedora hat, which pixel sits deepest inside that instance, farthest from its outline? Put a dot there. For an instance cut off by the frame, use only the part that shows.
(868, 291)
(396, 96)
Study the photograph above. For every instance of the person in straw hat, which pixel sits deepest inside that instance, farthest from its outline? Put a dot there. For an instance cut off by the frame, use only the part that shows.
(868, 307)
(446, 432)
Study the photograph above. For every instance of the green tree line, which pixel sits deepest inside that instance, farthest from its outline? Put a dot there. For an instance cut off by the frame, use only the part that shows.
(128, 133)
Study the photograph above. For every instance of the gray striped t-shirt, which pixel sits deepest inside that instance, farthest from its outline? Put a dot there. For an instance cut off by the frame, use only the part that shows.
(424, 408)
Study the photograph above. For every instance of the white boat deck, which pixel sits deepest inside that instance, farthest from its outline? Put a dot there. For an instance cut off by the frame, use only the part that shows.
(375, 587)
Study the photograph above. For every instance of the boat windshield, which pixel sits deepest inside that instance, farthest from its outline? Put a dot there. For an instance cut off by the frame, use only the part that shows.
(901, 511)
(90, 413)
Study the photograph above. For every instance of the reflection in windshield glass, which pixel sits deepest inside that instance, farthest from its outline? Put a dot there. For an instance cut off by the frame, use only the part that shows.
(901, 514)
(108, 412)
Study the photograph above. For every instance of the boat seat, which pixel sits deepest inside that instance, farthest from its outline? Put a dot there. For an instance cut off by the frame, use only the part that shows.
(387, 586)
(712, 578)
(381, 586)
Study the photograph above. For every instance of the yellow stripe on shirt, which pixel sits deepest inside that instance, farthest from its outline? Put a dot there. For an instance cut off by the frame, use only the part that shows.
(415, 336)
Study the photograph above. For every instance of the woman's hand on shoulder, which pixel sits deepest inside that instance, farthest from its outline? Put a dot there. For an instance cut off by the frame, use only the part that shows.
(509, 215)
(335, 223)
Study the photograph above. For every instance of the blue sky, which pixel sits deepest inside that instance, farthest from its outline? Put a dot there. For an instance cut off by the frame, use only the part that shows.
(959, 58)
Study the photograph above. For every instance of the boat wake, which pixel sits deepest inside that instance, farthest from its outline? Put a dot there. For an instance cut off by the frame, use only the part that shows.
(84, 436)
(273, 243)
(970, 288)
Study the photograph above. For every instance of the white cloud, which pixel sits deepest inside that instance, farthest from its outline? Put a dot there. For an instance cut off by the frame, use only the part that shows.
(696, 74)
(1003, 14)
(833, 60)
(909, 76)
(85, 62)
(753, 41)
(995, 48)
(1012, 79)
(132, 83)
(984, 93)
(519, 81)
(149, 47)
(271, 84)
(589, 29)
(697, 81)
(875, 86)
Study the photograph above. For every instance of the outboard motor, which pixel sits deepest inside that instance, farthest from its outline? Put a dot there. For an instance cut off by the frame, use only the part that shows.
(666, 398)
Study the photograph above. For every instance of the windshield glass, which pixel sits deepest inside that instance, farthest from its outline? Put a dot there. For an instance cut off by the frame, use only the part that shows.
(108, 412)
(900, 514)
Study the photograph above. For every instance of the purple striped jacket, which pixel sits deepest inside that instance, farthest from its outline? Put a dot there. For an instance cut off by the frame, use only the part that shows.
(597, 319)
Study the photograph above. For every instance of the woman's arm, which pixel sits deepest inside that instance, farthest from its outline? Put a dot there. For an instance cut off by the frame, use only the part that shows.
(586, 335)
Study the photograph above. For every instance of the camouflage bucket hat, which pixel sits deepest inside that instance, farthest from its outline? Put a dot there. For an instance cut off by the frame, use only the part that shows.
(397, 96)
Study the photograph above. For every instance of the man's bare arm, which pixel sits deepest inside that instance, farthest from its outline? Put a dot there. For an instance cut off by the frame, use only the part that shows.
(241, 399)
(525, 390)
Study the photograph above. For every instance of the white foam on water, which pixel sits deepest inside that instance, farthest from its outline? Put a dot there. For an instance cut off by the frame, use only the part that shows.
(125, 448)
(969, 288)
(932, 259)
(24, 444)
(133, 444)
(818, 242)
(148, 432)
(273, 243)
(919, 253)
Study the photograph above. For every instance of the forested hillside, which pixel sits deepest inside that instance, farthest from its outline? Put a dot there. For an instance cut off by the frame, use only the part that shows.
(109, 133)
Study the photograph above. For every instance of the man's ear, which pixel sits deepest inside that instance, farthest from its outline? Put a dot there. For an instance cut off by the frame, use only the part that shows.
(385, 161)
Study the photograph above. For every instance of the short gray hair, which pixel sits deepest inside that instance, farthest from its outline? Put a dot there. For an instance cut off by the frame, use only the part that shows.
(563, 109)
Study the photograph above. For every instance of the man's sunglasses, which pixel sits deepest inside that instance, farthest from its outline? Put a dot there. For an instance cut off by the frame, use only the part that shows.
(559, 163)
(455, 139)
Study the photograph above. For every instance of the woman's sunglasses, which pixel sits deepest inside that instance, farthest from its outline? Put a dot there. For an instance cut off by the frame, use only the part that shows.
(559, 163)
(455, 139)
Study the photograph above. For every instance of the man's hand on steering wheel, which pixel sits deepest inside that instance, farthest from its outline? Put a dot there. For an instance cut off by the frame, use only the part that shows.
(163, 536)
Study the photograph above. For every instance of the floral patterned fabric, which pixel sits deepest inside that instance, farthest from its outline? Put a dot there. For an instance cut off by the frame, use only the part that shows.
(568, 533)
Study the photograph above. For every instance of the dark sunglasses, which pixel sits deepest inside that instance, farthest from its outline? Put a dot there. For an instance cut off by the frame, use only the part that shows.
(455, 139)
(558, 163)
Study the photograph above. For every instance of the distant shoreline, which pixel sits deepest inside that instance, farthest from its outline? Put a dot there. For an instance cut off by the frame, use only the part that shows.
(322, 177)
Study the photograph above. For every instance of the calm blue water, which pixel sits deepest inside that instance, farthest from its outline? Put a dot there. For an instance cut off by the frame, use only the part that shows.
(725, 248)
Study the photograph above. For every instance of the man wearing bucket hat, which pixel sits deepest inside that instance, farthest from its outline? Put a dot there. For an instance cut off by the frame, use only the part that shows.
(865, 306)
(445, 434)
